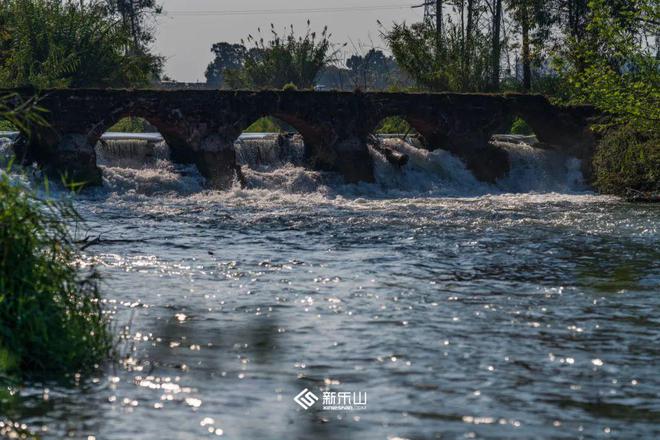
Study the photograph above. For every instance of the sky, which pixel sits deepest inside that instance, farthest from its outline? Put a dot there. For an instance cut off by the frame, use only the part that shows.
(188, 28)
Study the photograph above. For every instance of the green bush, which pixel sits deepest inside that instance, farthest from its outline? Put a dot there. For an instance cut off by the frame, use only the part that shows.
(50, 314)
(519, 126)
(6, 126)
(394, 125)
(264, 125)
(627, 161)
(132, 125)
(290, 87)
(269, 124)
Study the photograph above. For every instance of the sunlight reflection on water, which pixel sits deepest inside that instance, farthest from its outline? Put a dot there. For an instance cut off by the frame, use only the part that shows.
(499, 315)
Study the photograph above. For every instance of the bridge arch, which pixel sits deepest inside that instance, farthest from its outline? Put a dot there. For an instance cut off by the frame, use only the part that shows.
(430, 131)
(139, 144)
(314, 136)
(269, 141)
(172, 126)
(398, 126)
(170, 132)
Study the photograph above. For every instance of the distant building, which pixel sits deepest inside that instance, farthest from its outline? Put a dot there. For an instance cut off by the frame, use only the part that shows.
(176, 85)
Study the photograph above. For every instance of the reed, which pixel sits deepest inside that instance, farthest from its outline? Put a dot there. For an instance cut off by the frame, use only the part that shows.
(51, 321)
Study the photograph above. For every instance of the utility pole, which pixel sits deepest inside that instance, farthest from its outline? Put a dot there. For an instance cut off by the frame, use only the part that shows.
(433, 9)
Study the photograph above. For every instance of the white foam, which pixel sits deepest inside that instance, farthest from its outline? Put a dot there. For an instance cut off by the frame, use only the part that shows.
(163, 178)
(427, 173)
(272, 167)
(537, 170)
(268, 151)
(6, 149)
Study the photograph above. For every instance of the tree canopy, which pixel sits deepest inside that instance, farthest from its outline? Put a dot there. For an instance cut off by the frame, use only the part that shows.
(49, 43)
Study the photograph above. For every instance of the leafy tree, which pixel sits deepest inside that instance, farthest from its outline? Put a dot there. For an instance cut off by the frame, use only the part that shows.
(227, 57)
(613, 66)
(135, 16)
(462, 62)
(533, 21)
(374, 70)
(49, 43)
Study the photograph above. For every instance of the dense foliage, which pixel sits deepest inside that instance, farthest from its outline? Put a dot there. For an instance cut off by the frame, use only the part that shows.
(51, 43)
(614, 66)
(50, 315)
(454, 66)
(7, 126)
(530, 45)
(284, 58)
(628, 162)
(226, 56)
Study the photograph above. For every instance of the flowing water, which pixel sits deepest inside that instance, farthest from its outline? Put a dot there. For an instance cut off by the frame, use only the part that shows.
(526, 309)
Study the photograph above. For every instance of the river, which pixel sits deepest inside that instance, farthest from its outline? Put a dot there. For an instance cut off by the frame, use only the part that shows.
(526, 309)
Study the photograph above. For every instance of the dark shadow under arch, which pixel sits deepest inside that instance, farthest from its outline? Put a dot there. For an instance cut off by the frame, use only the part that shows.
(175, 140)
(429, 133)
(137, 145)
(269, 141)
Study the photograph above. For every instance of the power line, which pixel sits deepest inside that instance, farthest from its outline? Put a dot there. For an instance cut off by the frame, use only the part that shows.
(429, 8)
(285, 11)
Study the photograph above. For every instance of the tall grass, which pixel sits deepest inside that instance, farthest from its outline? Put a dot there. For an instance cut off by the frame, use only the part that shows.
(51, 320)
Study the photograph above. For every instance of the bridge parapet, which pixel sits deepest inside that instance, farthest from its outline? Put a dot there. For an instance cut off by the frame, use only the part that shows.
(200, 126)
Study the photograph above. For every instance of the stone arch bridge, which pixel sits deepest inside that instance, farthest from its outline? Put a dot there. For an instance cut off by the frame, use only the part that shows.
(200, 126)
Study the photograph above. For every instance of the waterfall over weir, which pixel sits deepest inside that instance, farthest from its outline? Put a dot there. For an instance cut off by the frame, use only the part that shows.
(272, 161)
